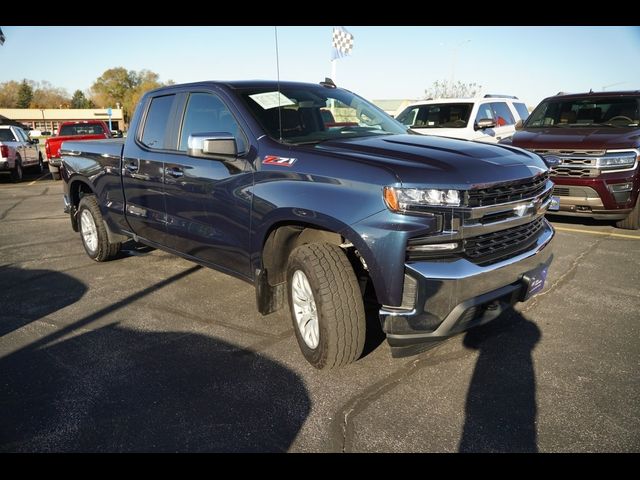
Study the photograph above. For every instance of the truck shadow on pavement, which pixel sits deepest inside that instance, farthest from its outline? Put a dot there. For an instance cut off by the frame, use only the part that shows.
(114, 389)
(27, 295)
(501, 403)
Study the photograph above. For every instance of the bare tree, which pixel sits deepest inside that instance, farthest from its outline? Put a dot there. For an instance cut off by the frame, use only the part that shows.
(446, 89)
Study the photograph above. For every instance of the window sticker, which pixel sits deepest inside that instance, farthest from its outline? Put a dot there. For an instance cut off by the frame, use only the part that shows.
(269, 100)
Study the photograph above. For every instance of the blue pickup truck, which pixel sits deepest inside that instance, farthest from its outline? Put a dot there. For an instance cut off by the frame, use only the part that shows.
(325, 204)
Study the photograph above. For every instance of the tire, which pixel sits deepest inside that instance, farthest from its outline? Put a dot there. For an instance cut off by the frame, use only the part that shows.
(93, 232)
(17, 172)
(632, 222)
(55, 172)
(335, 301)
(39, 168)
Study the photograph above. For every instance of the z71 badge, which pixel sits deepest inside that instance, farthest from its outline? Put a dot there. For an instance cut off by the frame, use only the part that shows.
(283, 161)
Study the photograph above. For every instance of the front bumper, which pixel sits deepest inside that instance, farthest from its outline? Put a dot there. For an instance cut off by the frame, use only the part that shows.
(55, 162)
(455, 295)
(593, 197)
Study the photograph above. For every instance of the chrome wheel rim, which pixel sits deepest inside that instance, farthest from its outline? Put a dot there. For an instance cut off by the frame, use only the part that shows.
(304, 309)
(89, 231)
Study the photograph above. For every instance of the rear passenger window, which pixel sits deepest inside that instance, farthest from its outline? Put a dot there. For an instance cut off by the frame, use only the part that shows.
(503, 115)
(206, 113)
(155, 126)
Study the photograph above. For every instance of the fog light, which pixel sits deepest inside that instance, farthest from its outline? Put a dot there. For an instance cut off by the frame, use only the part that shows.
(621, 187)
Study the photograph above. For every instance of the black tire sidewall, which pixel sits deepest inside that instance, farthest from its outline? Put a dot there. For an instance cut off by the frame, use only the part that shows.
(315, 356)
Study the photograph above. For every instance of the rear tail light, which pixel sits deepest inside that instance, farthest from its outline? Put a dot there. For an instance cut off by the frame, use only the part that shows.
(4, 151)
(46, 149)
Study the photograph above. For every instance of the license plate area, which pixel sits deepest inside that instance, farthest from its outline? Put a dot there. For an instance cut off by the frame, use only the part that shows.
(534, 281)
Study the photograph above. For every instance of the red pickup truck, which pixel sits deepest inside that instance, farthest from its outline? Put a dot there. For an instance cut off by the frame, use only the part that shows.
(85, 130)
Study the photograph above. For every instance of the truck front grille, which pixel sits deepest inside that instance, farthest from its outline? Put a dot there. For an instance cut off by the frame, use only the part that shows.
(507, 192)
(574, 172)
(495, 246)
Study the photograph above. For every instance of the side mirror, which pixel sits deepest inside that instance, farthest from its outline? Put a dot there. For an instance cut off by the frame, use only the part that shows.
(519, 124)
(212, 144)
(35, 140)
(484, 123)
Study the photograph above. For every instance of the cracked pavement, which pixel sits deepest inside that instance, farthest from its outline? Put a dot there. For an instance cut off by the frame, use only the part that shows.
(152, 353)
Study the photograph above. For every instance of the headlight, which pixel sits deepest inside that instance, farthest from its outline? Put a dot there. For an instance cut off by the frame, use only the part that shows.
(407, 199)
(617, 160)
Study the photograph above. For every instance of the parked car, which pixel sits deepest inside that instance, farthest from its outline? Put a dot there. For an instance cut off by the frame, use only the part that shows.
(319, 211)
(84, 130)
(17, 152)
(593, 141)
(487, 119)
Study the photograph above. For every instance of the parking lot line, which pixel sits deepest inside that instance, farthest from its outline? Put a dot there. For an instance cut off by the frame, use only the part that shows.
(564, 229)
(39, 178)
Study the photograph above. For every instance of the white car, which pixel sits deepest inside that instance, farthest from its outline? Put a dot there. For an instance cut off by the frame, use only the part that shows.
(487, 119)
(17, 152)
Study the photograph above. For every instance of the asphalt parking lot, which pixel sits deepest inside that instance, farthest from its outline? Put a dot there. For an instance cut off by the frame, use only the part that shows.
(152, 353)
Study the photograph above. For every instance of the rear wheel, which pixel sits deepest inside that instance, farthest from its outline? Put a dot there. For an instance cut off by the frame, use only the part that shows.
(632, 222)
(326, 305)
(93, 231)
(17, 173)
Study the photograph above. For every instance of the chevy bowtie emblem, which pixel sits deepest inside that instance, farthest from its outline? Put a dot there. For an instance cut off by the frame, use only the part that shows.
(520, 210)
(274, 160)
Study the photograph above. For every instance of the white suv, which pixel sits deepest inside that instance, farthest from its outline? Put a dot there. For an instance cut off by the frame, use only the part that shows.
(487, 119)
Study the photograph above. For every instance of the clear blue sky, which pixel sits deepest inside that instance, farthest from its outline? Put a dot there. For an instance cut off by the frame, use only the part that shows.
(386, 62)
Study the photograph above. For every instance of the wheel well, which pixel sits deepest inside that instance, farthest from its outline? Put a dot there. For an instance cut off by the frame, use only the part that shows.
(77, 190)
(283, 239)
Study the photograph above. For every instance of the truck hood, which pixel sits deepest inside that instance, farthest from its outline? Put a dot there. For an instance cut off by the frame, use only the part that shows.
(435, 161)
(577, 138)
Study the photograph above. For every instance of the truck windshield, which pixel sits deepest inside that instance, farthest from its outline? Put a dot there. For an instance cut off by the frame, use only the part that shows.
(586, 112)
(310, 114)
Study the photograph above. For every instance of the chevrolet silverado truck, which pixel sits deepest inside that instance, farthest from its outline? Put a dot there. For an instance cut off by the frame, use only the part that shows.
(247, 178)
(81, 130)
(592, 141)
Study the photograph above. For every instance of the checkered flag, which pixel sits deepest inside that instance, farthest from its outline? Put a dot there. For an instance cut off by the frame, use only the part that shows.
(342, 42)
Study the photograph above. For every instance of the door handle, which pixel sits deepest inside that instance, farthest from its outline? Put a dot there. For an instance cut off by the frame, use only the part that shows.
(175, 172)
(132, 166)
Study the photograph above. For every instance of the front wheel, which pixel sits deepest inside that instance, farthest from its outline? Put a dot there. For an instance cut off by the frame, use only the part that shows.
(632, 222)
(93, 232)
(326, 305)
(39, 168)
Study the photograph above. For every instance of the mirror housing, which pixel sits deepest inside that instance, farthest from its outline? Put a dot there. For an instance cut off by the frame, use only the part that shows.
(212, 144)
(35, 140)
(519, 124)
(484, 123)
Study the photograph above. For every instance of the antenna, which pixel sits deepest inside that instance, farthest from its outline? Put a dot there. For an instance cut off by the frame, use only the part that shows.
(278, 73)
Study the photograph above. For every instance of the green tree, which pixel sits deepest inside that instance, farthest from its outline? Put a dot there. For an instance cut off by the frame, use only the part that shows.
(446, 89)
(25, 95)
(79, 100)
(119, 85)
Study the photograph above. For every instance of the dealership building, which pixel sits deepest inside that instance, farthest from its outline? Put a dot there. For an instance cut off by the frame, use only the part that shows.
(49, 119)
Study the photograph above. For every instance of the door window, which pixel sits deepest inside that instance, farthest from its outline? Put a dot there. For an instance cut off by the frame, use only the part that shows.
(484, 111)
(503, 115)
(205, 113)
(154, 134)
